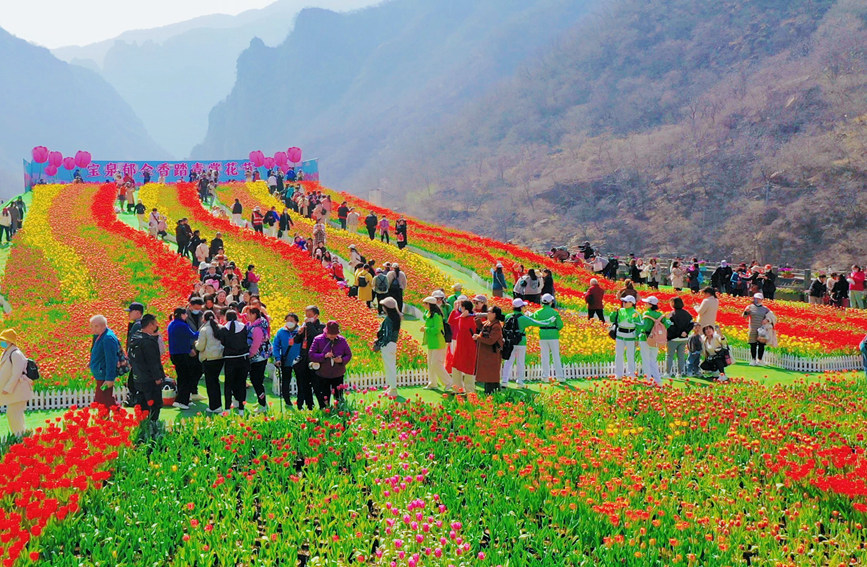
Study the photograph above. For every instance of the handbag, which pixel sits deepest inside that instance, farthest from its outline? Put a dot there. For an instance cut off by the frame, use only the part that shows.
(612, 329)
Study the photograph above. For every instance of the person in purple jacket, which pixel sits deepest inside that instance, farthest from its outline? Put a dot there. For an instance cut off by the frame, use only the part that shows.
(329, 355)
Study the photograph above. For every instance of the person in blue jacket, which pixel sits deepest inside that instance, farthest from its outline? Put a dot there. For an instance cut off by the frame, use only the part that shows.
(499, 280)
(286, 351)
(182, 351)
(103, 360)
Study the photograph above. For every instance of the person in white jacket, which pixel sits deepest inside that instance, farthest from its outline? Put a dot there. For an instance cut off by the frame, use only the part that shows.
(211, 356)
(16, 389)
(708, 308)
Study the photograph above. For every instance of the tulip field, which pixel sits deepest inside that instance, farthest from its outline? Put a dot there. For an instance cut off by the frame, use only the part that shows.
(598, 473)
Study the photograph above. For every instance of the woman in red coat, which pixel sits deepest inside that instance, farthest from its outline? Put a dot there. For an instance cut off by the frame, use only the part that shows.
(454, 323)
(464, 361)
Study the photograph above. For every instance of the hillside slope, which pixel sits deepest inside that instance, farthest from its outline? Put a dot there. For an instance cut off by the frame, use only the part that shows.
(49, 102)
(363, 84)
(732, 128)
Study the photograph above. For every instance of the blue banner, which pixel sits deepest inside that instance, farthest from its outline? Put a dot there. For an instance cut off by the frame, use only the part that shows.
(165, 171)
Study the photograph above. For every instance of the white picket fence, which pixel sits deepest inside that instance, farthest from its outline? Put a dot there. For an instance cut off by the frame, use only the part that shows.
(62, 399)
(798, 364)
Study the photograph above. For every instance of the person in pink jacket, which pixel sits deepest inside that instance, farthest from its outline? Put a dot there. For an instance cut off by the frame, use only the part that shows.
(258, 335)
(384, 227)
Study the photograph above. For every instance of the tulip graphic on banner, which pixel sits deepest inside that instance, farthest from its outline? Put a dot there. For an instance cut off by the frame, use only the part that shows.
(55, 159)
(294, 154)
(82, 159)
(40, 154)
(257, 157)
(280, 158)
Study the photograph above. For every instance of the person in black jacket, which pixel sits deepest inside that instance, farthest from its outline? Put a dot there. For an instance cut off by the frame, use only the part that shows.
(769, 282)
(135, 310)
(236, 356)
(370, 221)
(839, 291)
(216, 244)
(721, 278)
(183, 233)
(678, 334)
(818, 290)
(147, 366)
(304, 376)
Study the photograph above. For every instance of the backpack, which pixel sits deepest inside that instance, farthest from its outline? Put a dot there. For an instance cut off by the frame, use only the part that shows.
(123, 365)
(32, 369)
(362, 281)
(512, 336)
(264, 352)
(447, 332)
(395, 284)
(245, 283)
(658, 335)
(380, 283)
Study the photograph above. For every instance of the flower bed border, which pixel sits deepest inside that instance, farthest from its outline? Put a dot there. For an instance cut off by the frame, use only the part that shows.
(61, 399)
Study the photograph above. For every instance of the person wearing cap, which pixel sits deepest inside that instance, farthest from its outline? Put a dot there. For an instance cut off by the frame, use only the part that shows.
(458, 291)
(464, 359)
(146, 361)
(331, 353)
(549, 339)
(440, 296)
(594, 297)
(499, 280)
(756, 314)
(16, 389)
(304, 375)
(650, 354)
(182, 351)
(708, 308)
(386, 343)
(625, 322)
(257, 220)
(489, 344)
(435, 341)
(104, 349)
(515, 329)
(397, 285)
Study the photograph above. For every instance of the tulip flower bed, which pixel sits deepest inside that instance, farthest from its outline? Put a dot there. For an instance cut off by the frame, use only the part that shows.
(615, 473)
(75, 259)
(291, 279)
(422, 276)
(840, 331)
(43, 477)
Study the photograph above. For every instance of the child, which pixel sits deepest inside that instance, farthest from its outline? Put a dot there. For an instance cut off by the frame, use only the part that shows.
(694, 345)
(715, 348)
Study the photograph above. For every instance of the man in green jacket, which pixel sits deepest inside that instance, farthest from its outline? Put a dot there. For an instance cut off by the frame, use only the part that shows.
(519, 352)
(626, 321)
(549, 338)
(458, 291)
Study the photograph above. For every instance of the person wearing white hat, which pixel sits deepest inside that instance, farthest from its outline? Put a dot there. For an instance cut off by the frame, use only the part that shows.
(756, 313)
(624, 323)
(515, 335)
(652, 334)
(499, 280)
(16, 389)
(457, 289)
(435, 340)
(549, 339)
(355, 256)
(440, 296)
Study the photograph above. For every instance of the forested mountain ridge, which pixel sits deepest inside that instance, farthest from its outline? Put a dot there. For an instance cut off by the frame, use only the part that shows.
(364, 84)
(732, 129)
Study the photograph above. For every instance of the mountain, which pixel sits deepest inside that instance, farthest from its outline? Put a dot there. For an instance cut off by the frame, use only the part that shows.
(354, 88)
(66, 107)
(173, 75)
(733, 129)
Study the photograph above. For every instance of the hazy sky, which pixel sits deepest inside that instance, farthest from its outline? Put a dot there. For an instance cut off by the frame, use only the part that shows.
(57, 23)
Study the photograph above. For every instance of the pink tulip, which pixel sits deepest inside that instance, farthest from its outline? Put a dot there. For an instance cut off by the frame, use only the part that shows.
(69, 163)
(55, 158)
(82, 159)
(40, 154)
